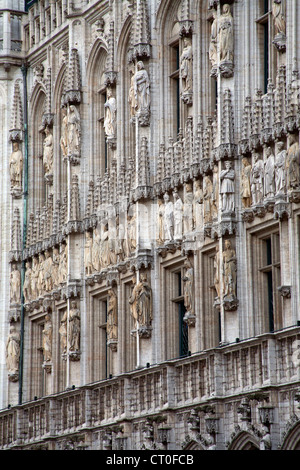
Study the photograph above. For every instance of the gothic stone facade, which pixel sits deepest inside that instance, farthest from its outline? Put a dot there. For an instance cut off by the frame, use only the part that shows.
(150, 224)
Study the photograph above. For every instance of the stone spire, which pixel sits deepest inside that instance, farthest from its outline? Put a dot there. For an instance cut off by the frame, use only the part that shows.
(110, 73)
(186, 24)
(15, 132)
(16, 237)
(75, 200)
(73, 83)
(47, 119)
(142, 31)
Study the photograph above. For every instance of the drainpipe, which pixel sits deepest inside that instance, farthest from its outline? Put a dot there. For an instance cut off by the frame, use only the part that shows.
(24, 68)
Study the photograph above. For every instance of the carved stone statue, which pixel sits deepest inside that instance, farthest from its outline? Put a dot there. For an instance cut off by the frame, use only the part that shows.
(131, 232)
(280, 163)
(133, 301)
(132, 95)
(27, 283)
(13, 353)
(74, 327)
(198, 205)
(47, 269)
(269, 174)
(141, 89)
(16, 167)
(15, 285)
(160, 222)
(279, 17)
(34, 278)
(110, 114)
(213, 47)
(257, 180)
(63, 264)
(225, 30)
(168, 218)
(112, 316)
(144, 302)
(178, 215)
(41, 277)
(96, 250)
(292, 163)
(188, 219)
(74, 130)
(189, 290)
(207, 198)
(186, 67)
(48, 151)
(55, 267)
(47, 339)
(63, 332)
(64, 133)
(227, 177)
(104, 246)
(229, 271)
(246, 183)
(88, 253)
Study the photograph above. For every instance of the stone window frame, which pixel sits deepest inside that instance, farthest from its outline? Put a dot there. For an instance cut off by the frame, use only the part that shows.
(100, 356)
(260, 269)
(268, 56)
(170, 300)
(210, 333)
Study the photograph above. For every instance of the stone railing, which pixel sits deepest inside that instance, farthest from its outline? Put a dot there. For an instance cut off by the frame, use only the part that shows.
(234, 370)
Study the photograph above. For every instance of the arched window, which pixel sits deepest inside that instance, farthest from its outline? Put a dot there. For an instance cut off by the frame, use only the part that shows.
(36, 186)
(99, 158)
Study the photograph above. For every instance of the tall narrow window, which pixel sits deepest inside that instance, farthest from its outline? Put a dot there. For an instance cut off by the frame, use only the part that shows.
(268, 55)
(104, 162)
(182, 327)
(101, 365)
(175, 85)
(270, 270)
